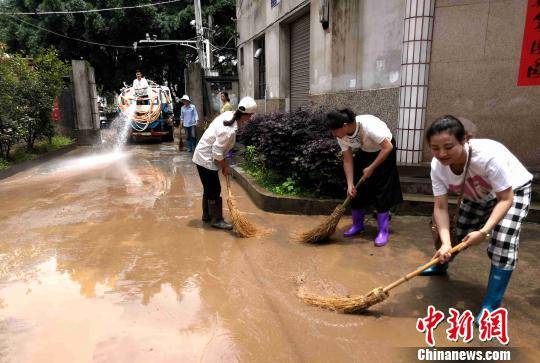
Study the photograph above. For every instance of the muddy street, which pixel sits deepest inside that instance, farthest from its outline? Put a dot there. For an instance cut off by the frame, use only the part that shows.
(104, 258)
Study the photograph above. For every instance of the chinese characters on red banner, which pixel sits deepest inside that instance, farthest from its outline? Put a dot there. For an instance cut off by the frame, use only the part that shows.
(491, 326)
(529, 69)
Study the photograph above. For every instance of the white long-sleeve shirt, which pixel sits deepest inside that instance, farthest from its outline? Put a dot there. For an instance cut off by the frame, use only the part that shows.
(216, 141)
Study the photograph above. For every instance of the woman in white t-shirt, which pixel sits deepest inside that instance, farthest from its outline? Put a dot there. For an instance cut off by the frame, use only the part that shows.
(374, 159)
(496, 198)
(209, 156)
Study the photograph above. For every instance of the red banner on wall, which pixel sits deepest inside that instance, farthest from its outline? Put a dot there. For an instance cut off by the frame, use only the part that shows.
(55, 115)
(529, 69)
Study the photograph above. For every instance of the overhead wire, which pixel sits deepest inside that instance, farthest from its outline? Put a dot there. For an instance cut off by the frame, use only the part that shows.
(36, 12)
(11, 15)
(86, 41)
(224, 46)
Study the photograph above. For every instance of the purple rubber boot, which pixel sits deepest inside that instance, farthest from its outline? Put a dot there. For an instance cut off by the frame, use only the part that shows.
(358, 223)
(383, 220)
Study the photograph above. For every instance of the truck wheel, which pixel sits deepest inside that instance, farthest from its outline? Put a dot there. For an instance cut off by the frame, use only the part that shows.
(169, 137)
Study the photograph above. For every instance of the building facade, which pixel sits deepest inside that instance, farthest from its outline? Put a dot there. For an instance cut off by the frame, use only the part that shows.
(405, 61)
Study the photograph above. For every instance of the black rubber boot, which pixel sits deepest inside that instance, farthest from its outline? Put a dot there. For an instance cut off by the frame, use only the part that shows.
(216, 214)
(205, 210)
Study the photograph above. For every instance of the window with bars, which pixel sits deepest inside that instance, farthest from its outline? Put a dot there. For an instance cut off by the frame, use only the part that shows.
(242, 56)
(261, 86)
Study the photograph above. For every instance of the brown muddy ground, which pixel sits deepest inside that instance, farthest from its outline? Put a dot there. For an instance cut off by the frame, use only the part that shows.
(105, 259)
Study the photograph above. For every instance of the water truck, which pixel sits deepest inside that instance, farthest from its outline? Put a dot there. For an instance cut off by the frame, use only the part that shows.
(149, 111)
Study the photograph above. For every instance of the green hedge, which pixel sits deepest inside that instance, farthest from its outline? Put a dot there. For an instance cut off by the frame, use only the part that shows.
(294, 152)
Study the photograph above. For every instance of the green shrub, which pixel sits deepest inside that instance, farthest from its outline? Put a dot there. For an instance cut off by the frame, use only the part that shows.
(57, 142)
(288, 187)
(269, 179)
(20, 154)
(4, 164)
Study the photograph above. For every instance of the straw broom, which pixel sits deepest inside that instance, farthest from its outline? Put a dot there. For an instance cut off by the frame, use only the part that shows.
(328, 227)
(241, 225)
(359, 303)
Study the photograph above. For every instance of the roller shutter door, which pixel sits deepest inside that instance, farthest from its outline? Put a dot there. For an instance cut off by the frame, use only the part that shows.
(300, 62)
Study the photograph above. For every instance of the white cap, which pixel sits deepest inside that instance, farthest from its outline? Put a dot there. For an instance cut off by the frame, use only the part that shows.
(185, 97)
(247, 105)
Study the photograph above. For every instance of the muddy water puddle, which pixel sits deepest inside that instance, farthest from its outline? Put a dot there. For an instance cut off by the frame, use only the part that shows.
(104, 259)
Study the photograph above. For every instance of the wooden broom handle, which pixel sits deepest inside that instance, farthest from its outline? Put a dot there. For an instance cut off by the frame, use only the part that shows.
(349, 199)
(228, 179)
(415, 273)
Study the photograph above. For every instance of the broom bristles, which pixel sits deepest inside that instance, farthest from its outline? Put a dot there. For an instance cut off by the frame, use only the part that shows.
(352, 304)
(241, 225)
(322, 232)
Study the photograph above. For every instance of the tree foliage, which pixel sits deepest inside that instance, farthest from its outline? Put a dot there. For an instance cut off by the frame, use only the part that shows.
(27, 91)
(120, 27)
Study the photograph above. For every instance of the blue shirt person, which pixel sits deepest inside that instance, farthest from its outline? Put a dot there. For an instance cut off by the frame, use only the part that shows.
(190, 118)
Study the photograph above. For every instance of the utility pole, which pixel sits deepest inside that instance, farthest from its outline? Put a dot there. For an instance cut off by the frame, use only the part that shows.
(200, 34)
(209, 42)
(202, 44)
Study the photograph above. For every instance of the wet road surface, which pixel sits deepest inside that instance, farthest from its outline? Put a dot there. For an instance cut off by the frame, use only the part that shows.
(103, 258)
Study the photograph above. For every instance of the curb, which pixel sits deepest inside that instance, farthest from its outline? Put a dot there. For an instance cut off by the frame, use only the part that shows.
(6, 173)
(413, 204)
(281, 204)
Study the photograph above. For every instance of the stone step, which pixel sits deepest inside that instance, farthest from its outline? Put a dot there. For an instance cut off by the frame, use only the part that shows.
(413, 204)
(415, 179)
(419, 204)
(414, 185)
(422, 186)
(422, 170)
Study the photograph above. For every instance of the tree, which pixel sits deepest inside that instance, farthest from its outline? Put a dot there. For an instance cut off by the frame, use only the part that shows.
(121, 27)
(27, 91)
(39, 87)
(11, 131)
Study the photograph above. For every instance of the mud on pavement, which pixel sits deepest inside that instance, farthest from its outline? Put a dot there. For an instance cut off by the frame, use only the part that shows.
(104, 258)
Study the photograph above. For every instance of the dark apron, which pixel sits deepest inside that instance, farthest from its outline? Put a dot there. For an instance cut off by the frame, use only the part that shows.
(382, 189)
